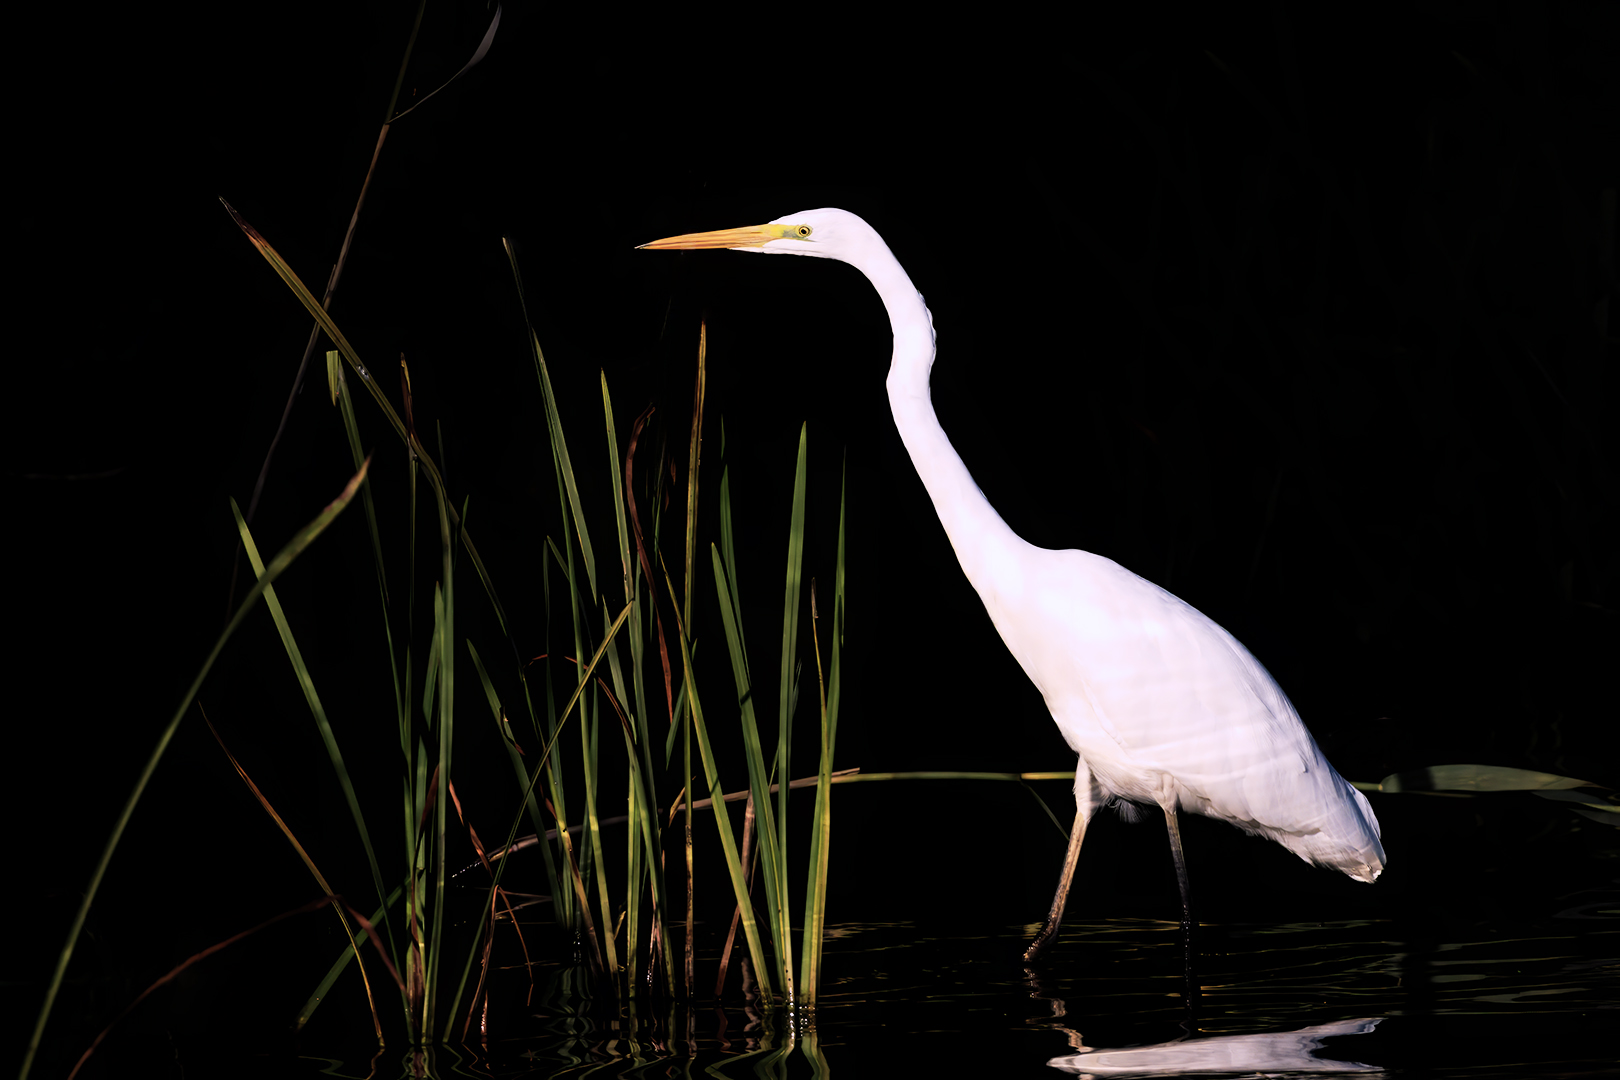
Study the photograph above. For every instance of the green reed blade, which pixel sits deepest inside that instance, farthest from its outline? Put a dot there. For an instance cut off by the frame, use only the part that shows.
(308, 861)
(504, 726)
(815, 900)
(517, 820)
(641, 642)
(589, 734)
(640, 849)
(312, 698)
(444, 612)
(351, 429)
(722, 817)
(341, 964)
(559, 445)
(758, 772)
(786, 698)
(552, 879)
(616, 485)
(284, 558)
(313, 306)
(728, 548)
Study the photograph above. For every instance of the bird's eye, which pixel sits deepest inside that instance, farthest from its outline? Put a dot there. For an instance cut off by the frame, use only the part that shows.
(801, 231)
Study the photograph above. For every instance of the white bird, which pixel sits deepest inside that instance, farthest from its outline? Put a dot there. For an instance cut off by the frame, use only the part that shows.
(1161, 705)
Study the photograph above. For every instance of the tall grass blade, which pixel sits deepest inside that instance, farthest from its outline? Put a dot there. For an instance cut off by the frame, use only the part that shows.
(313, 699)
(351, 428)
(559, 445)
(694, 457)
(284, 558)
(641, 849)
(786, 701)
(341, 964)
(587, 672)
(815, 900)
(514, 755)
(309, 864)
(477, 57)
(179, 968)
(418, 451)
(759, 779)
(444, 634)
(336, 276)
(722, 818)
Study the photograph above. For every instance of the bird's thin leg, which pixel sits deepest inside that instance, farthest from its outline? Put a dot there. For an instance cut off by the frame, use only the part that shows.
(1190, 985)
(1054, 918)
(1181, 864)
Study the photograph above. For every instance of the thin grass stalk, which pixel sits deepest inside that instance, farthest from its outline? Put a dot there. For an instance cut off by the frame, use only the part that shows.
(336, 275)
(306, 859)
(722, 817)
(578, 866)
(750, 857)
(591, 864)
(330, 327)
(562, 896)
(552, 877)
(351, 428)
(636, 809)
(274, 569)
(504, 726)
(568, 493)
(545, 755)
(759, 781)
(446, 732)
(694, 457)
(582, 864)
(337, 271)
(559, 445)
(815, 900)
(634, 853)
(750, 813)
(770, 852)
(312, 698)
(786, 697)
(652, 837)
(406, 741)
(688, 953)
(188, 962)
(341, 964)
(642, 579)
(593, 835)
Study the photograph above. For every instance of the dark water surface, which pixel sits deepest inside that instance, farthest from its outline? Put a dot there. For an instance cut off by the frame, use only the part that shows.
(1271, 999)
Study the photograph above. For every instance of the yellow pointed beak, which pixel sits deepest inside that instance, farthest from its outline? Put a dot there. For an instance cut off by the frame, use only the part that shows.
(746, 237)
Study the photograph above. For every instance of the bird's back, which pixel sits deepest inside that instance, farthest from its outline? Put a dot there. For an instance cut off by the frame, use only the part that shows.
(1167, 707)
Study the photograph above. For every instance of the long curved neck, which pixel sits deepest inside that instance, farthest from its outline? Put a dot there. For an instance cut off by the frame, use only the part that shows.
(975, 530)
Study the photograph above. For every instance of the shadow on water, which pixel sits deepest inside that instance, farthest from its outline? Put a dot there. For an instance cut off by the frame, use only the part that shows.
(1276, 999)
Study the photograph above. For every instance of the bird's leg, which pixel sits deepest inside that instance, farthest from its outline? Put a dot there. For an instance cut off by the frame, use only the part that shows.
(1054, 918)
(1190, 987)
(1181, 864)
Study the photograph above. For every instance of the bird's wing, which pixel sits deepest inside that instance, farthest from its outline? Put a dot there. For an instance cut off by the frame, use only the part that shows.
(1142, 683)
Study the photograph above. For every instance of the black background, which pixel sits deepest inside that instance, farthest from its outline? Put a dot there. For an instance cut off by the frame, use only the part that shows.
(1300, 317)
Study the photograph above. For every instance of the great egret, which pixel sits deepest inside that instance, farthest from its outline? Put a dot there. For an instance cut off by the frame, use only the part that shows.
(1161, 705)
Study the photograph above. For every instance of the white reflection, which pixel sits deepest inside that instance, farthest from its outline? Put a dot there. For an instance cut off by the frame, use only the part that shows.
(1286, 1051)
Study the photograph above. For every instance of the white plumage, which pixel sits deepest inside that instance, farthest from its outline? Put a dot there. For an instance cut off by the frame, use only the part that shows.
(1161, 705)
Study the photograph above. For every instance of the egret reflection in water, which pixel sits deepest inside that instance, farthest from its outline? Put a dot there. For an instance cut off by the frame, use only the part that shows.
(1270, 1052)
